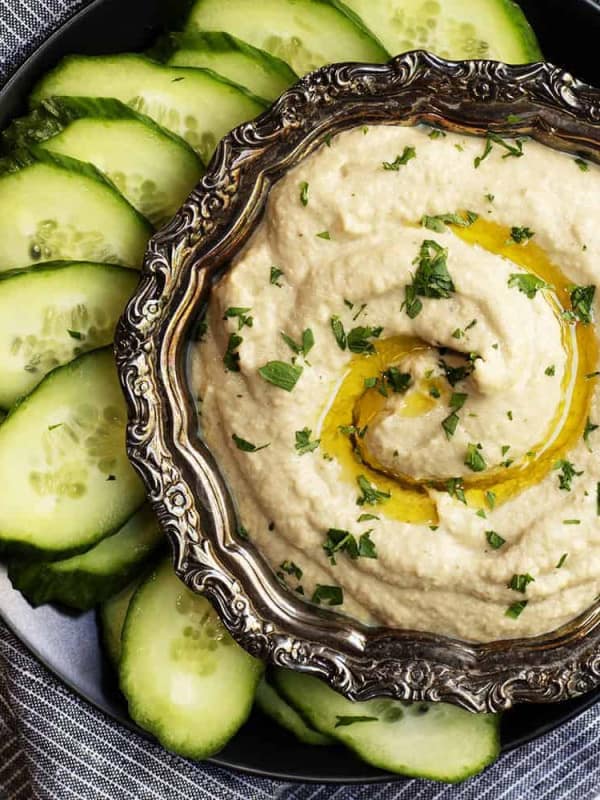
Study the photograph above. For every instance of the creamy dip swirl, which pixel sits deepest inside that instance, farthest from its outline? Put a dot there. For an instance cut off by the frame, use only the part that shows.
(421, 457)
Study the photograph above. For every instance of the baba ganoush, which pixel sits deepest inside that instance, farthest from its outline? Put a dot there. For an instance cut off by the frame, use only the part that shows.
(399, 381)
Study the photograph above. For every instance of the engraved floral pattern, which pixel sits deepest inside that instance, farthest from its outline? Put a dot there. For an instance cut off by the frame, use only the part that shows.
(182, 481)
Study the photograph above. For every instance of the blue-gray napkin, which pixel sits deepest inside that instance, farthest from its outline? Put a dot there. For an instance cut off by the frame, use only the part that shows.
(54, 746)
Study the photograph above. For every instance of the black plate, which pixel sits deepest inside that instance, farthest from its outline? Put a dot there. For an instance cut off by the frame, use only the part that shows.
(68, 643)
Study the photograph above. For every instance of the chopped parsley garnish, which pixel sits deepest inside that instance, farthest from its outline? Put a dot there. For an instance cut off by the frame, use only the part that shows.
(449, 424)
(439, 222)
(589, 428)
(583, 165)
(231, 359)
(457, 400)
(279, 373)
(431, 278)
(303, 349)
(304, 444)
(567, 473)
(276, 273)
(400, 161)
(504, 449)
(495, 541)
(328, 139)
(357, 339)
(436, 133)
(291, 569)
(490, 499)
(515, 150)
(324, 235)
(456, 374)
(338, 331)
(435, 392)
(582, 298)
(455, 488)
(343, 721)
(399, 381)
(516, 609)
(304, 193)
(520, 235)
(519, 583)
(367, 517)
(242, 315)
(509, 414)
(458, 333)
(550, 371)
(481, 513)
(246, 446)
(490, 198)
(243, 532)
(332, 594)
(359, 312)
(527, 283)
(571, 522)
(75, 334)
(54, 427)
(339, 541)
(473, 458)
(370, 494)
(562, 560)
(370, 383)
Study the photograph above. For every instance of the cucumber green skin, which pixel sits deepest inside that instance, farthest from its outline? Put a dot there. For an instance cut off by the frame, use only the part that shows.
(54, 114)
(184, 729)
(33, 276)
(297, 689)
(80, 582)
(11, 547)
(367, 48)
(112, 614)
(529, 45)
(138, 71)
(191, 49)
(271, 703)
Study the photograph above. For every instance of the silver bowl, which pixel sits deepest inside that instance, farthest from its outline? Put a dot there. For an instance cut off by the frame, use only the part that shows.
(182, 478)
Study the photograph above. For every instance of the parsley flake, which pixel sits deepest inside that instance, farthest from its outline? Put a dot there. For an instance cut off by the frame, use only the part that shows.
(400, 161)
(494, 539)
(279, 373)
(276, 273)
(303, 349)
(304, 193)
(75, 334)
(589, 428)
(562, 560)
(527, 283)
(455, 488)
(582, 298)
(241, 314)
(370, 494)
(516, 609)
(473, 458)
(490, 498)
(567, 473)
(337, 327)
(334, 595)
(304, 444)
(583, 165)
(550, 371)
(520, 235)
(449, 424)
(246, 446)
(291, 569)
(357, 339)
(231, 359)
(519, 583)
(431, 278)
(324, 235)
(439, 222)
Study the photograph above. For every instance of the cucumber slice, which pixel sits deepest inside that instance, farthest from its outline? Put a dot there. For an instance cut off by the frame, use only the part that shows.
(65, 480)
(437, 741)
(304, 33)
(154, 169)
(53, 313)
(185, 679)
(195, 104)
(262, 73)
(454, 29)
(53, 207)
(273, 705)
(112, 619)
(84, 581)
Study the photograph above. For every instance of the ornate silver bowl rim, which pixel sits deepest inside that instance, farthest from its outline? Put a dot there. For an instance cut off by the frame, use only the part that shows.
(181, 477)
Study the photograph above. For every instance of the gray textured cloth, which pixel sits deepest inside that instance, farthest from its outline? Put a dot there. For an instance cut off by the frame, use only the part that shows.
(54, 746)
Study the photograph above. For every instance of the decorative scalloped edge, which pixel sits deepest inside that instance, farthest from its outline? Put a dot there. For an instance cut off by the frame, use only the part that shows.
(181, 478)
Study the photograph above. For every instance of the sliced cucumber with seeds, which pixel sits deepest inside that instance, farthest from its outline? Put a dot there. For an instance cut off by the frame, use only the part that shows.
(112, 619)
(260, 72)
(85, 580)
(453, 29)
(154, 169)
(438, 741)
(304, 33)
(274, 706)
(195, 104)
(65, 480)
(53, 313)
(185, 679)
(53, 207)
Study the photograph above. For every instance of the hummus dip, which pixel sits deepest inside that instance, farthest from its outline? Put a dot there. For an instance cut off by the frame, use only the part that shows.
(398, 380)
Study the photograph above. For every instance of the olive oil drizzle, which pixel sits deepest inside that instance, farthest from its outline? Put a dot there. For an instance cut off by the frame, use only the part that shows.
(355, 405)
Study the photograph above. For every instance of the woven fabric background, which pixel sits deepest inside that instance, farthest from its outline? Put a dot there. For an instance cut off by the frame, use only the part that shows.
(54, 746)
